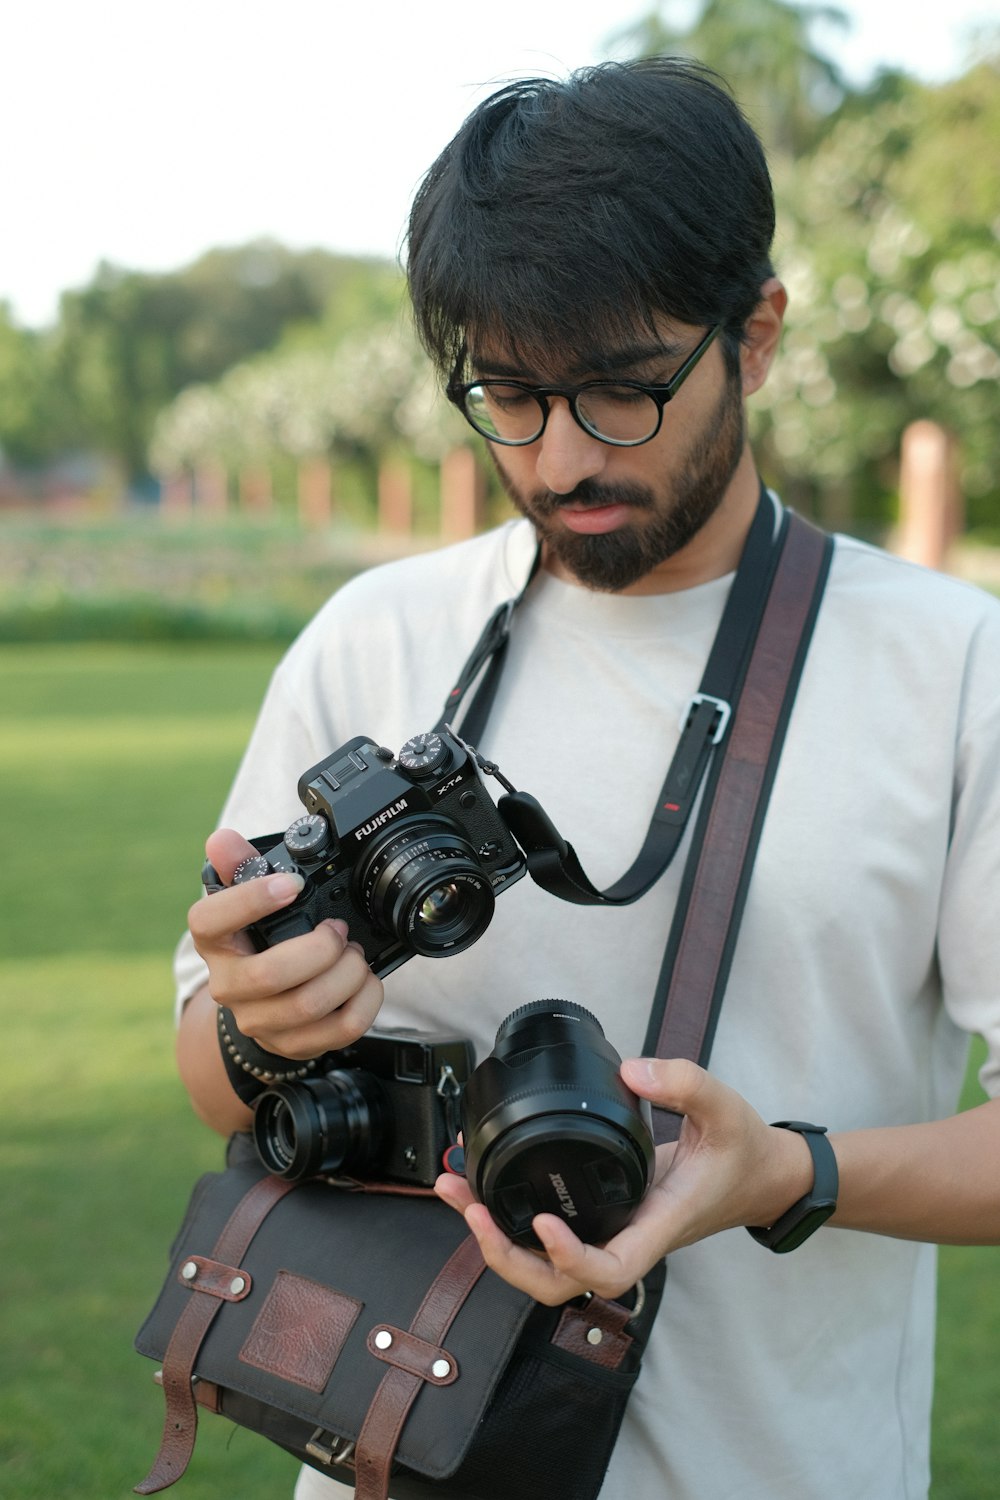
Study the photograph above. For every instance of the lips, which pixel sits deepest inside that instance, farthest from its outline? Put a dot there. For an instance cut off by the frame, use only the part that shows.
(593, 520)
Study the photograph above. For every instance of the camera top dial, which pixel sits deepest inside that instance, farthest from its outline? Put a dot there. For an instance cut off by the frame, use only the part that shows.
(424, 754)
(308, 835)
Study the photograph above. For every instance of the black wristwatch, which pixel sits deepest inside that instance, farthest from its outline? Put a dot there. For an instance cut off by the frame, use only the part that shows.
(804, 1217)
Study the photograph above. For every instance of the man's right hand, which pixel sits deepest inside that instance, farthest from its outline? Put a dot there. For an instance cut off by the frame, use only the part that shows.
(305, 996)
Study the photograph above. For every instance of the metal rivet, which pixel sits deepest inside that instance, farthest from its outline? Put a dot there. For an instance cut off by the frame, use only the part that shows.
(189, 1271)
(237, 1285)
(383, 1339)
(594, 1336)
(440, 1368)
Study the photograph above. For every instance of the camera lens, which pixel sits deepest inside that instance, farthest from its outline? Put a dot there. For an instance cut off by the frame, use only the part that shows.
(550, 1127)
(423, 883)
(330, 1124)
(440, 906)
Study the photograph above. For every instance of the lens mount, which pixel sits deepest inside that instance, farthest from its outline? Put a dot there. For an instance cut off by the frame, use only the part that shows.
(423, 882)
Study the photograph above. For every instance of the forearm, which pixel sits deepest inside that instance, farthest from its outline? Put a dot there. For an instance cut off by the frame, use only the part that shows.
(202, 1071)
(938, 1182)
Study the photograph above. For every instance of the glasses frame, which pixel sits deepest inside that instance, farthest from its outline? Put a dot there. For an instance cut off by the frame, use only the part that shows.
(661, 394)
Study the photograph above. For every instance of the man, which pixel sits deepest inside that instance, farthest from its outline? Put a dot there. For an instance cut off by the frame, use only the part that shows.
(616, 229)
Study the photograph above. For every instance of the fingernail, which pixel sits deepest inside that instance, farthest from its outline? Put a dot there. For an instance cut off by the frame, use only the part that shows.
(642, 1069)
(286, 886)
(339, 925)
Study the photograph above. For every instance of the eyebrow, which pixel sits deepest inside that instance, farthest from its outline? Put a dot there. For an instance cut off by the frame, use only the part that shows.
(599, 364)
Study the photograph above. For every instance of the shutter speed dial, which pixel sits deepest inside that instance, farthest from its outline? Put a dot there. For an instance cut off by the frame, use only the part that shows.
(308, 835)
(424, 754)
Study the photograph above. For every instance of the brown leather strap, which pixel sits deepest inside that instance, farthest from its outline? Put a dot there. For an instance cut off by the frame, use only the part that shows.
(398, 1390)
(595, 1332)
(735, 806)
(180, 1423)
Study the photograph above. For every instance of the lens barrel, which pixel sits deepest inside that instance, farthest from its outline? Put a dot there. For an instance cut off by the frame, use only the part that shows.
(336, 1123)
(424, 883)
(549, 1126)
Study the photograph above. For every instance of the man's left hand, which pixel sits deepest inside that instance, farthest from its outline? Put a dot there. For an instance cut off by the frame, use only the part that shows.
(728, 1168)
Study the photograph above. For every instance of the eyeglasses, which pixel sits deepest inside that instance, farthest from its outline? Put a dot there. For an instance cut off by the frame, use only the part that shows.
(623, 413)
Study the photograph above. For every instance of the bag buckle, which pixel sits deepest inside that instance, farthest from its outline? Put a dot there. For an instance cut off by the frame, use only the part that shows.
(330, 1449)
(724, 711)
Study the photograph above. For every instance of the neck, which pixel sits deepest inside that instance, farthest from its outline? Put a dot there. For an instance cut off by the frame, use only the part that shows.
(712, 553)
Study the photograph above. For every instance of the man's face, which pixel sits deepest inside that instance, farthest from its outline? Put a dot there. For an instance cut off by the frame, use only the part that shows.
(609, 515)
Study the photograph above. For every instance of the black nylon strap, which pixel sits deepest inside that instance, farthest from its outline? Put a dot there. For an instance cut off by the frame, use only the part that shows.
(552, 862)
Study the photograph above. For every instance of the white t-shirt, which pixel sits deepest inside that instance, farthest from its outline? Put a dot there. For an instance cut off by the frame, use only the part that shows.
(869, 947)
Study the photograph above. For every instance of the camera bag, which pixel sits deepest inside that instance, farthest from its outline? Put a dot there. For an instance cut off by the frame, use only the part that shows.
(360, 1330)
(364, 1334)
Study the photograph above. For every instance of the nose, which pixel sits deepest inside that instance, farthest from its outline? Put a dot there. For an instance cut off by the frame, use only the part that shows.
(566, 454)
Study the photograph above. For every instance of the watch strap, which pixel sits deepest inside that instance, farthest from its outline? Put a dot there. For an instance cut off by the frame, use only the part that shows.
(813, 1209)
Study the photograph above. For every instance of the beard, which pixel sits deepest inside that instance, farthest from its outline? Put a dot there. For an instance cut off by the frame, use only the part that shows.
(669, 516)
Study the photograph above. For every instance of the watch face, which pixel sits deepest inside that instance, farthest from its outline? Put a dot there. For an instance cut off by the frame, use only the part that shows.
(813, 1215)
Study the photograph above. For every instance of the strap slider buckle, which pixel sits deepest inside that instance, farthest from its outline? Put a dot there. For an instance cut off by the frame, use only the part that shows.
(724, 709)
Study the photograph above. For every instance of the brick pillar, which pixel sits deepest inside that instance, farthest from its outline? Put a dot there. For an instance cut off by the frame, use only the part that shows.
(211, 489)
(175, 496)
(256, 494)
(461, 495)
(930, 506)
(395, 497)
(315, 491)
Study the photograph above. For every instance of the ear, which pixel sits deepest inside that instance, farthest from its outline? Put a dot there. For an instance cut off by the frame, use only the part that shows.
(763, 335)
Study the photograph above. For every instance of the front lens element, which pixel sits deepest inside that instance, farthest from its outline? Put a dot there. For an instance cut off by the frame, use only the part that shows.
(424, 884)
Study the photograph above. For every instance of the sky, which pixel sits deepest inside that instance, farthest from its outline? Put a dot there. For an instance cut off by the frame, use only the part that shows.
(144, 133)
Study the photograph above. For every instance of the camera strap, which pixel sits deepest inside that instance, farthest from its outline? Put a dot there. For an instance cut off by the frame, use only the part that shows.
(552, 861)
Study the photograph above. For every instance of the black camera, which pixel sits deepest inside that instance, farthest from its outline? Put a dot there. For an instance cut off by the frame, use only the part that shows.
(549, 1126)
(409, 850)
(385, 1107)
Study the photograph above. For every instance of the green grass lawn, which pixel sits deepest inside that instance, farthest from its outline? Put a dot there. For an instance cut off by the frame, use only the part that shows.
(113, 763)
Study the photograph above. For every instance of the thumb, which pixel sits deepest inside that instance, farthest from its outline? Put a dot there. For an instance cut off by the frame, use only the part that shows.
(226, 849)
(672, 1083)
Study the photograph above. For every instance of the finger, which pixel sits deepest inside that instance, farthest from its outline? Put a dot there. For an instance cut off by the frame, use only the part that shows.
(226, 849)
(524, 1269)
(287, 969)
(341, 1025)
(674, 1083)
(216, 920)
(454, 1191)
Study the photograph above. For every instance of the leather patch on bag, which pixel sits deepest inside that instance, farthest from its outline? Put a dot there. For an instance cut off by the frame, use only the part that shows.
(300, 1330)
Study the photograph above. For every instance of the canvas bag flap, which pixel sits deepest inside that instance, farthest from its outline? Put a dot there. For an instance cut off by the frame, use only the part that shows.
(325, 1268)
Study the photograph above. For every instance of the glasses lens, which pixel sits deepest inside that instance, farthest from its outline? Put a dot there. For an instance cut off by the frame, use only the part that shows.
(618, 412)
(504, 411)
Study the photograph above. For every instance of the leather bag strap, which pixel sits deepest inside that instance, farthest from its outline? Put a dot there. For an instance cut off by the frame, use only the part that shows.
(399, 1388)
(180, 1423)
(699, 952)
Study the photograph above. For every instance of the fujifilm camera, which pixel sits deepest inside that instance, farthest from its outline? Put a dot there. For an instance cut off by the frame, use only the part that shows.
(408, 849)
(384, 1107)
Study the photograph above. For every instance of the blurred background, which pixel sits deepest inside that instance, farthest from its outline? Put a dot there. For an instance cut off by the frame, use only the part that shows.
(213, 411)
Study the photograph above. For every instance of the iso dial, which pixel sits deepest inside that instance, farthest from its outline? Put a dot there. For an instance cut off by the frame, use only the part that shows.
(423, 754)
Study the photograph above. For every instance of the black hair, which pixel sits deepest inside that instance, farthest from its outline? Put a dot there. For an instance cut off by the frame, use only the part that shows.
(565, 215)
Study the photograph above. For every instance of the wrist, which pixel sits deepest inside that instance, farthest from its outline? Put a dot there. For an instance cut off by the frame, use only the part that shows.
(250, 1068)
(806, 1213)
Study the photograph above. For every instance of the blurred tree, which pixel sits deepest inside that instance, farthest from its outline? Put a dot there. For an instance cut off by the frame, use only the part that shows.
(371, 396)
(786, 85)
(130, 341)
(33, 423)
(890, 246)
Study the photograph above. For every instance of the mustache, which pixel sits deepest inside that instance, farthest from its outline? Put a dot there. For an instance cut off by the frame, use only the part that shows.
(592, 495)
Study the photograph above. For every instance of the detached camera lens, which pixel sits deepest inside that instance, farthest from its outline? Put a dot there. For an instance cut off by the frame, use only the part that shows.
(423, 883)
(330, 1124)
(549, 1126)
